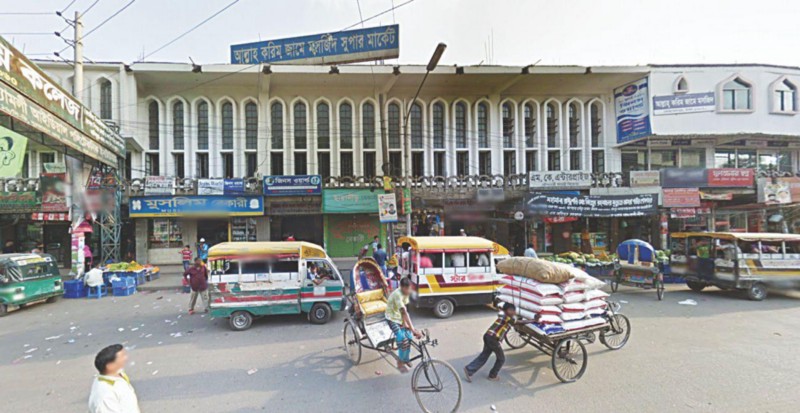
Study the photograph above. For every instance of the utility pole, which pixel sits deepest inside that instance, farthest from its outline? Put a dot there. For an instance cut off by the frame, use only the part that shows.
(75, 165)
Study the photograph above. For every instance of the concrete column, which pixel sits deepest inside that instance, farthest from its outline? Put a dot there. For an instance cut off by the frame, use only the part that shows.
(141, 240)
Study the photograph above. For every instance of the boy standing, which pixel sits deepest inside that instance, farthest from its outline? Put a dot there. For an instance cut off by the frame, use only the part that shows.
(400, 323)
(186, 255)
(491, 343)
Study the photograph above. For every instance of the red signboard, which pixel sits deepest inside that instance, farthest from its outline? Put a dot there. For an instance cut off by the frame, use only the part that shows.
(559, 220)
(681, 197)
(731, 177)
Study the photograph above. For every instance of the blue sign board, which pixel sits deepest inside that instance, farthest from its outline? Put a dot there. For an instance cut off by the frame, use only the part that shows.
(234, 187)
(292, 185)
(196, 206)
(337, 47)
(633, 111)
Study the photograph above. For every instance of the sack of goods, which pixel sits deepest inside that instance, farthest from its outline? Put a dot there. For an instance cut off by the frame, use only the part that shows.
(574, 303)
(534, 268)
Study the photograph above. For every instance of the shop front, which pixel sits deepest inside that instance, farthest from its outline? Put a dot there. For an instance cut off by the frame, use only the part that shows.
(351, 220)
(294, 205)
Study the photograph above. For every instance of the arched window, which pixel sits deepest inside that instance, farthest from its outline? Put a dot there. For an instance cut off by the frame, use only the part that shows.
(416, 126)
(574, 125)
(152, 112)
(300, 132)
(438, 125)
(202, 126)
(227, 126)
(394, 126)
(596, 124)
(681, 86)
(736, 95)
(368, 125)
(785, 97)
(323, 126)
(529, 114)
(508, 125)
(251, 126)
(105, 99)
(483, 125)
(346, 125)
(461, 125)
(552, 125)
(177, 126)
(276, 129)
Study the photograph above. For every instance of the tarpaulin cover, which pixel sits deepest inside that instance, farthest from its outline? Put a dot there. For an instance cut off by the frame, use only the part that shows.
(626, 249)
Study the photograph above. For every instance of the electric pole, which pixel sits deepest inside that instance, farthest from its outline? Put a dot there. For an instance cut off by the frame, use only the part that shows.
(75, 165)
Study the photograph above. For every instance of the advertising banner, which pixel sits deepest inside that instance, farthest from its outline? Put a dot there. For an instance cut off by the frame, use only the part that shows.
(490, 195)
(631, 103)
(686, 103)
(214, 186)
(707, 178)
(196, 206)
(731, 177)
(597, 206)
(290, 185)
(387, 208)
(159, 185)
(233, 186)
(559, 179)
(645, 178)
(349, 201)
(778, 190)
(12, 152)
(307, 205)
(19, 202)
(680, 197)
(54, 198)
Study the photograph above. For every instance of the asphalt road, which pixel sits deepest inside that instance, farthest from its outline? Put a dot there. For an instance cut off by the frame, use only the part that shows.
(725, 354)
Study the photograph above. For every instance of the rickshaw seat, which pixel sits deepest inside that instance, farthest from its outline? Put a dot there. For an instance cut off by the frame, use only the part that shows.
(372, 302)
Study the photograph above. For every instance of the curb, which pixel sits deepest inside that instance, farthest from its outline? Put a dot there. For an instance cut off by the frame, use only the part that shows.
(159, 288)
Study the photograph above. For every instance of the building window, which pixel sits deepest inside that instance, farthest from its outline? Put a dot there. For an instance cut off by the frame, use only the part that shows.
(780, 161)
(153, 126)
(552, 125)
(276, 163)
(509, 163)
(734, 158)
(596, 124)
(151, 164)
(346, 164)
(736, 95)
(529, 115)
(105, 99)
(438, 164)
(785, 100)
(681, 86)
(438, 125)
(276, 129)
(368, 125)
(202, 165)
(227, 126)
(300, 130)
(417, 164)
(300, 163)
(574, 125)
(598, 161)
(416, 126)
(395, 163)
(346, 126)
(227, 165)
(483, 125)
(46, 160)
(553, 161)
(508, 125)
(461, 125)
(530, 161)
(202, 126)
(177, 159)
(26, 173)
(324, 164)
(251, 164)
(251, 126)
(692, 158)
(485, 163)
(394, 126)
(663, 158)
(164, 233)
(575, 160)
(323, 126)
(634, 160)
(462, 163)
(370, 165)
(178, 129)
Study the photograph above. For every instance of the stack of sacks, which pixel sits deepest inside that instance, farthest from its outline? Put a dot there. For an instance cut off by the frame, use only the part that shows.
(563, 297)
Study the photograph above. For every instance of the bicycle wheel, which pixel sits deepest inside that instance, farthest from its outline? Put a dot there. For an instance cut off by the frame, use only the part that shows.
(352, 345)
(436, 386)
(516, 339)
(617, 336)
(569, 360)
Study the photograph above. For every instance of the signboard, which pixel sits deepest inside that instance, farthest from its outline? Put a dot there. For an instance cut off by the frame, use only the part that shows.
(632, 110)
(289, 185)
(12, 152)
(348, 46)
(686, 103)
(309, 205)
(406, 198)
(490, 195)
(54, 198)
(680, 197)
(707, 196)
(349, 201)
(598, 206)
(387, 208)
(19, 202)
(101, 177)
(158, 185)
(196, 206)
(707, 178)
(731, 177)
(214, 186)
(233, 186)
(645, 178)
(778, 190)
(559, 179)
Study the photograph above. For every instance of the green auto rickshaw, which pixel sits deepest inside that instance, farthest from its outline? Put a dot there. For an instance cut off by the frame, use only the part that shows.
(28, 278)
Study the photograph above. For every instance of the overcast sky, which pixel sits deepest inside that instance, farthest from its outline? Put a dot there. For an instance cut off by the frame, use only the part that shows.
(512, 32)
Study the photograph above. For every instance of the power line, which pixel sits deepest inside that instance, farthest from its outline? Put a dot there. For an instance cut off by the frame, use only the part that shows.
(392, 9)
(90, 7)
(109, 18)
(26, 34)
(43, 13)
(67, 6)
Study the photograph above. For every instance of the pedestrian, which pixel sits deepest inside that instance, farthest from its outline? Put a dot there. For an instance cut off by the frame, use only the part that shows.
(375, 244)
(380, 257)
(88, 259)
(186, 256)
(491, 343)
(530, 252)
(202, 250)
(462, 232)
(290, 237)
(198, 281)
(112, 391)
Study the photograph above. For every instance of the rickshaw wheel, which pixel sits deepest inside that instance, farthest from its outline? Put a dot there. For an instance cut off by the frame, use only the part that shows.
(320, 313)
(757, 292)
(436, 386)
(240, 321)
(569, 360)
(515, 339)
(352, 345)
(3, 310)
(618, 335)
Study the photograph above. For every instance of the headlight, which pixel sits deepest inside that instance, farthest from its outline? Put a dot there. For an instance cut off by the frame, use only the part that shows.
(16, 297)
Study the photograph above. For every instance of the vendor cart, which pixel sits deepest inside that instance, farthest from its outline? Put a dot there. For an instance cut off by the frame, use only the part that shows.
(568, 356)
(637, 267)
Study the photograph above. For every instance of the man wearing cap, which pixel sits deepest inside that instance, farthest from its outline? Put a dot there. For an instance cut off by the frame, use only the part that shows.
(462, 232)
(202, 250)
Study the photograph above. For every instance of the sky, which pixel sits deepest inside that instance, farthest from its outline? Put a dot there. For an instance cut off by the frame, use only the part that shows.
(504, 32)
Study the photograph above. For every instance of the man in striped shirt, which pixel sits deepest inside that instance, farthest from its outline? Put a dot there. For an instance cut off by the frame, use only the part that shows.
(491, 343)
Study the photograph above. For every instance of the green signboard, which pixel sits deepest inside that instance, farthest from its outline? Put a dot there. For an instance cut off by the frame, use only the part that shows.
(349, 201)
(20, 202)
(12, 152)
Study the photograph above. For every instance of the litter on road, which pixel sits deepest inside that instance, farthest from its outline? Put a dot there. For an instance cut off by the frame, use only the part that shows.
(688, 301)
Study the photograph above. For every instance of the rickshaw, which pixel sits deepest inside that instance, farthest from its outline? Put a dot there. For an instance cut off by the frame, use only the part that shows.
(434, 383)
(737, 261)
(637, 267)
(450, 271)
(251, 279)
(28, 278)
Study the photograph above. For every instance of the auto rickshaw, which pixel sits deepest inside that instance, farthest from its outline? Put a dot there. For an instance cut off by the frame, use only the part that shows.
(28, 278)
(251, 279)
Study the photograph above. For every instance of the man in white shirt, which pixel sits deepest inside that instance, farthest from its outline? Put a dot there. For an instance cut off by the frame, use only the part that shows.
(94, 277)
(112, 391)
(530, 252)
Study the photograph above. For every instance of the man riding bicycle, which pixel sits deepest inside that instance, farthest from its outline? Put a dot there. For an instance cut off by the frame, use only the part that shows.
(400, 323)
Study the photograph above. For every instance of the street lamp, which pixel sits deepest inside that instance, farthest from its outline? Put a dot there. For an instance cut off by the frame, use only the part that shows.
(437, 54)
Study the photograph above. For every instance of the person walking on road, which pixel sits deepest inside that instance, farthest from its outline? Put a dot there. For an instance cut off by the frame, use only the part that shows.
(186, 255)
(202, 250)
(198, 281)
(491, 343)
(380, 257)
(112, 391)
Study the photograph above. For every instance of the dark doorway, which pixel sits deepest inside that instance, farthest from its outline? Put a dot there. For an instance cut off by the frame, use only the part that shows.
(214, 231)
(303, 227)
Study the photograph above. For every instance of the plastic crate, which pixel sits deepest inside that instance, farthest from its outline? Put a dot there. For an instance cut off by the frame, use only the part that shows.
(124, 291)
(75, 289)
(124, 282)
(140, 276)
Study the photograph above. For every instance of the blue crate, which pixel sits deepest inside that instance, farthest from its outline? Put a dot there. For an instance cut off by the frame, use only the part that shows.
(124, 282)
(140, 276)
(124, 291)
(75, 289)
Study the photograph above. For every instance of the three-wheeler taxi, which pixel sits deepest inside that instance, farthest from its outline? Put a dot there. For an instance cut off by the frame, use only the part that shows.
(451, 271)
(27, 278)
(741, 261)
(252, 279)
